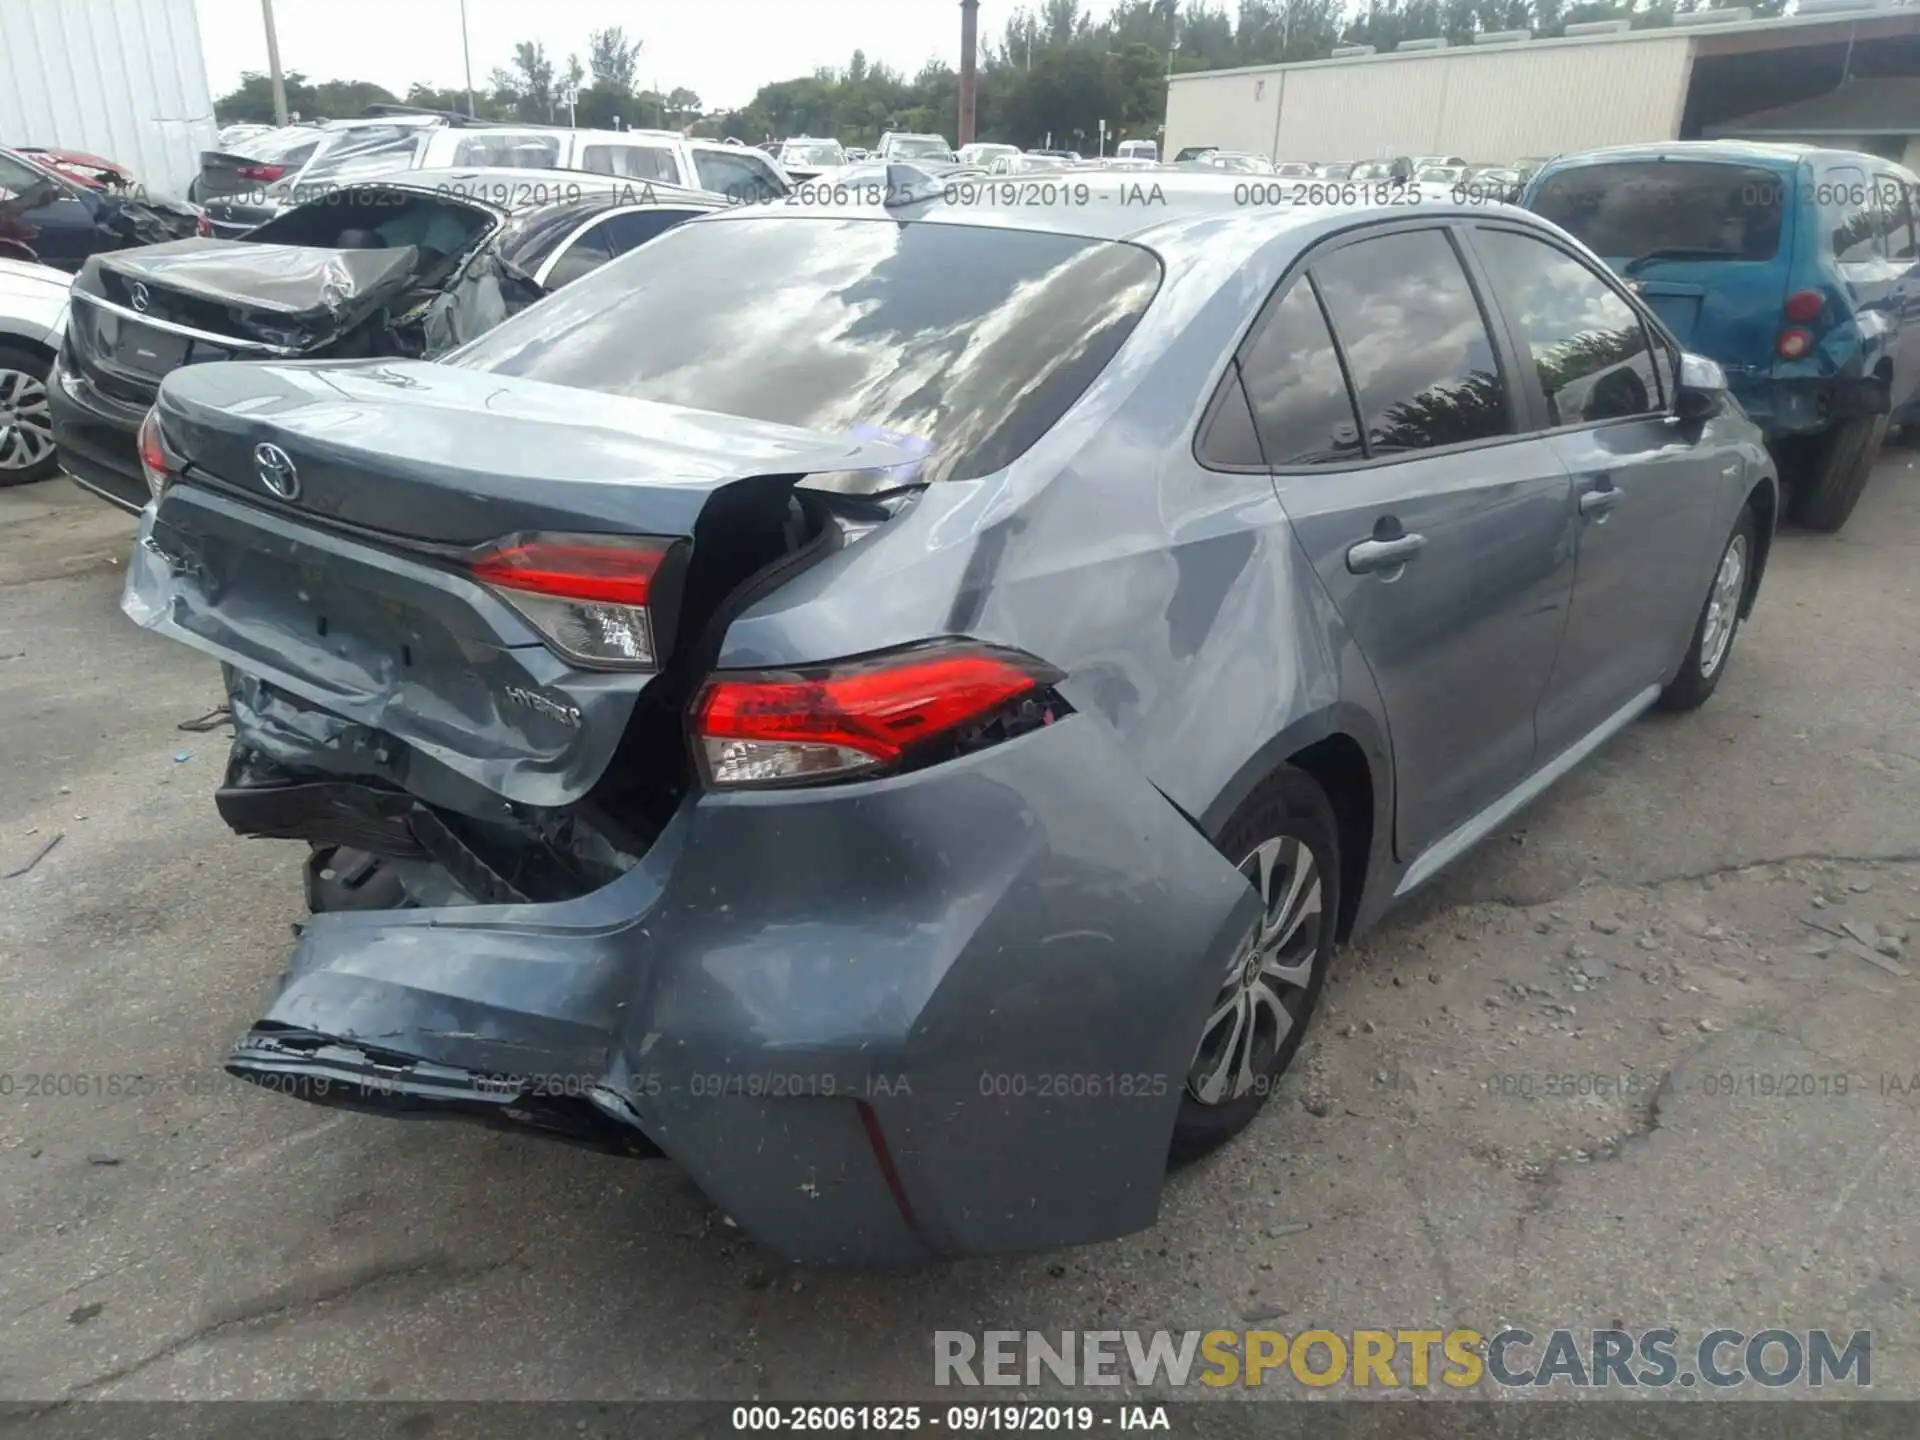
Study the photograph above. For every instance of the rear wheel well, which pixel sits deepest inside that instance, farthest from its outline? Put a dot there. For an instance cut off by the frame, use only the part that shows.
(1764, 501)
(1339, 767)
(27, 347)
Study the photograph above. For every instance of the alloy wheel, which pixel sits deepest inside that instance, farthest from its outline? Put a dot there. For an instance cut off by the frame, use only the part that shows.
(26, 425)
(1265, 988)
(1723, 606)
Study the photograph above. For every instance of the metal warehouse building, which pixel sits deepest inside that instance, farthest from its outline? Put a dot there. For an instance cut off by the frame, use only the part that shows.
(1841, 72)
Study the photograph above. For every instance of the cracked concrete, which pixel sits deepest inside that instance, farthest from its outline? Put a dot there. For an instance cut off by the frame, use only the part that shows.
(1593, 1075)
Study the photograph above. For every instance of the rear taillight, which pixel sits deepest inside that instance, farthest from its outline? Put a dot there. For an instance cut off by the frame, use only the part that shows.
(265, 174)
(590, 596)
(760, 728)
(1803, 306)
(1792, 344)
(155, 462)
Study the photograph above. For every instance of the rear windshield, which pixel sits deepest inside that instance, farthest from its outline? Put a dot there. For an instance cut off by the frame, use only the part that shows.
(278, 144)
(972, 340)
(1709, 209)
(908, 147)
(818, 154)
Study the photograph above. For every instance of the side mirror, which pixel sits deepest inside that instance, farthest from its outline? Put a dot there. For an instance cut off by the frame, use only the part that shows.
(1701, 388)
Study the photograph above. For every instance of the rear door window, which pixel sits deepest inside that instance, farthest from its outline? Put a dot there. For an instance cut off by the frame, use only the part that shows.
(1415, 342)
(634, 162)
(1589, 348)
(509, 151)
(972, 342)
(1896, 200)
(739, 177)
(1692, 209)
(1298, 392)
(635, 228)
(583, 256)
(1855, 230)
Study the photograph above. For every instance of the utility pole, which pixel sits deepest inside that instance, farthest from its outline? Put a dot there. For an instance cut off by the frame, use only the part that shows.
(1173, 44)
(466, 53)
(969, 78)
(273, 66)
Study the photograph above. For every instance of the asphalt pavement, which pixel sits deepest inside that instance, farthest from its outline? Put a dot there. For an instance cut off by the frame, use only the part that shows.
(1674, 916)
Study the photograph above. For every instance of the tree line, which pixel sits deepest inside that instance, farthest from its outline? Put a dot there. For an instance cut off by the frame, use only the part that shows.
(533, 87)
(1052, 74)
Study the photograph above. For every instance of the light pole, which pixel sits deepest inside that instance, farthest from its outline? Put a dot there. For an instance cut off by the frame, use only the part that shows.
(466, 53)
(1173, 44)
(969, 81)
(273, 65)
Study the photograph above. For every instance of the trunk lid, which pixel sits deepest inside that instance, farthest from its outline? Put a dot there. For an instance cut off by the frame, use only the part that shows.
(1678, 306)
(141, 314)
(225, 173)
(434, 453)
(290, 298)
(353, 599)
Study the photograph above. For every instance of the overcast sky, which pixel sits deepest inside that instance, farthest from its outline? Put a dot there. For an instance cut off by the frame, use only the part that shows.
(723, 50)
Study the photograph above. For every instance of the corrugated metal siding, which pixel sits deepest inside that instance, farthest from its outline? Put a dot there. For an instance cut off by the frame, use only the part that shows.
(1496, 103)
(121, 78)
(1234, 112)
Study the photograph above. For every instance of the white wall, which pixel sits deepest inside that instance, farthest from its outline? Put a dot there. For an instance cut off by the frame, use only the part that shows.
(1488, 103)
(1234, 112)
(124, 79)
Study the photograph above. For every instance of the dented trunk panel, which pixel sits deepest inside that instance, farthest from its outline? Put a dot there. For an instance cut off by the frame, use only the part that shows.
(901, 940)
(293, 297)
(421, 676)
(416, 666)
(460, 457)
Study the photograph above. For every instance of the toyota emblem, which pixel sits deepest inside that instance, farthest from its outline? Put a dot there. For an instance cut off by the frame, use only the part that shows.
(276, 471)
(140, 297)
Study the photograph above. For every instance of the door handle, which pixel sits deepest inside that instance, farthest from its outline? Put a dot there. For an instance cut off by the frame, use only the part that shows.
(1370, 556)
(1601, 498)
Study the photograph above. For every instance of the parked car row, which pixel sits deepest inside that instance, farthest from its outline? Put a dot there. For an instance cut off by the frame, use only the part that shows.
(1796, 268)
(409, 265)
(789, 695)
(263, 177)
(53, 217)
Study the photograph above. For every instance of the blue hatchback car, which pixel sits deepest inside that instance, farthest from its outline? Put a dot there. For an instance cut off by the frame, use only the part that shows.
(1794, 267)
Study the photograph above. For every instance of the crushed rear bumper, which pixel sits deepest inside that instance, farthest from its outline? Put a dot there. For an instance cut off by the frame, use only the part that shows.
(942, 1014)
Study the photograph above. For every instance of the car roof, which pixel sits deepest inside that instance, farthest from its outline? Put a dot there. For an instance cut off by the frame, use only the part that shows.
(1182, 224)
(362, 122)
(652, 137)
(508, 190)
(1762, 152)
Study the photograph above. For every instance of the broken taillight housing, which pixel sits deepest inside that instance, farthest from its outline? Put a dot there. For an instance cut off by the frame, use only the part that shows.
(156, 462)
(590, 596)
(870, 714)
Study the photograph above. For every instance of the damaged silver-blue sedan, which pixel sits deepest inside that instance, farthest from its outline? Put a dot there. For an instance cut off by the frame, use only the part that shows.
(894, 707)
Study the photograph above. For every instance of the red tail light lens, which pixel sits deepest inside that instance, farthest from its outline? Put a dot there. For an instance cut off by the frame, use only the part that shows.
(860, 715)
(1792, 344)
(590, 596)
(265, 174)
(155, 463)
(1803, 306)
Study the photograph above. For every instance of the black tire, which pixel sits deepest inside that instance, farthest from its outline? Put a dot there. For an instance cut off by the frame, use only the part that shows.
(17, 360)
(1291, 809)
(1830, 477)
(1697, 680)
(339, 878)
